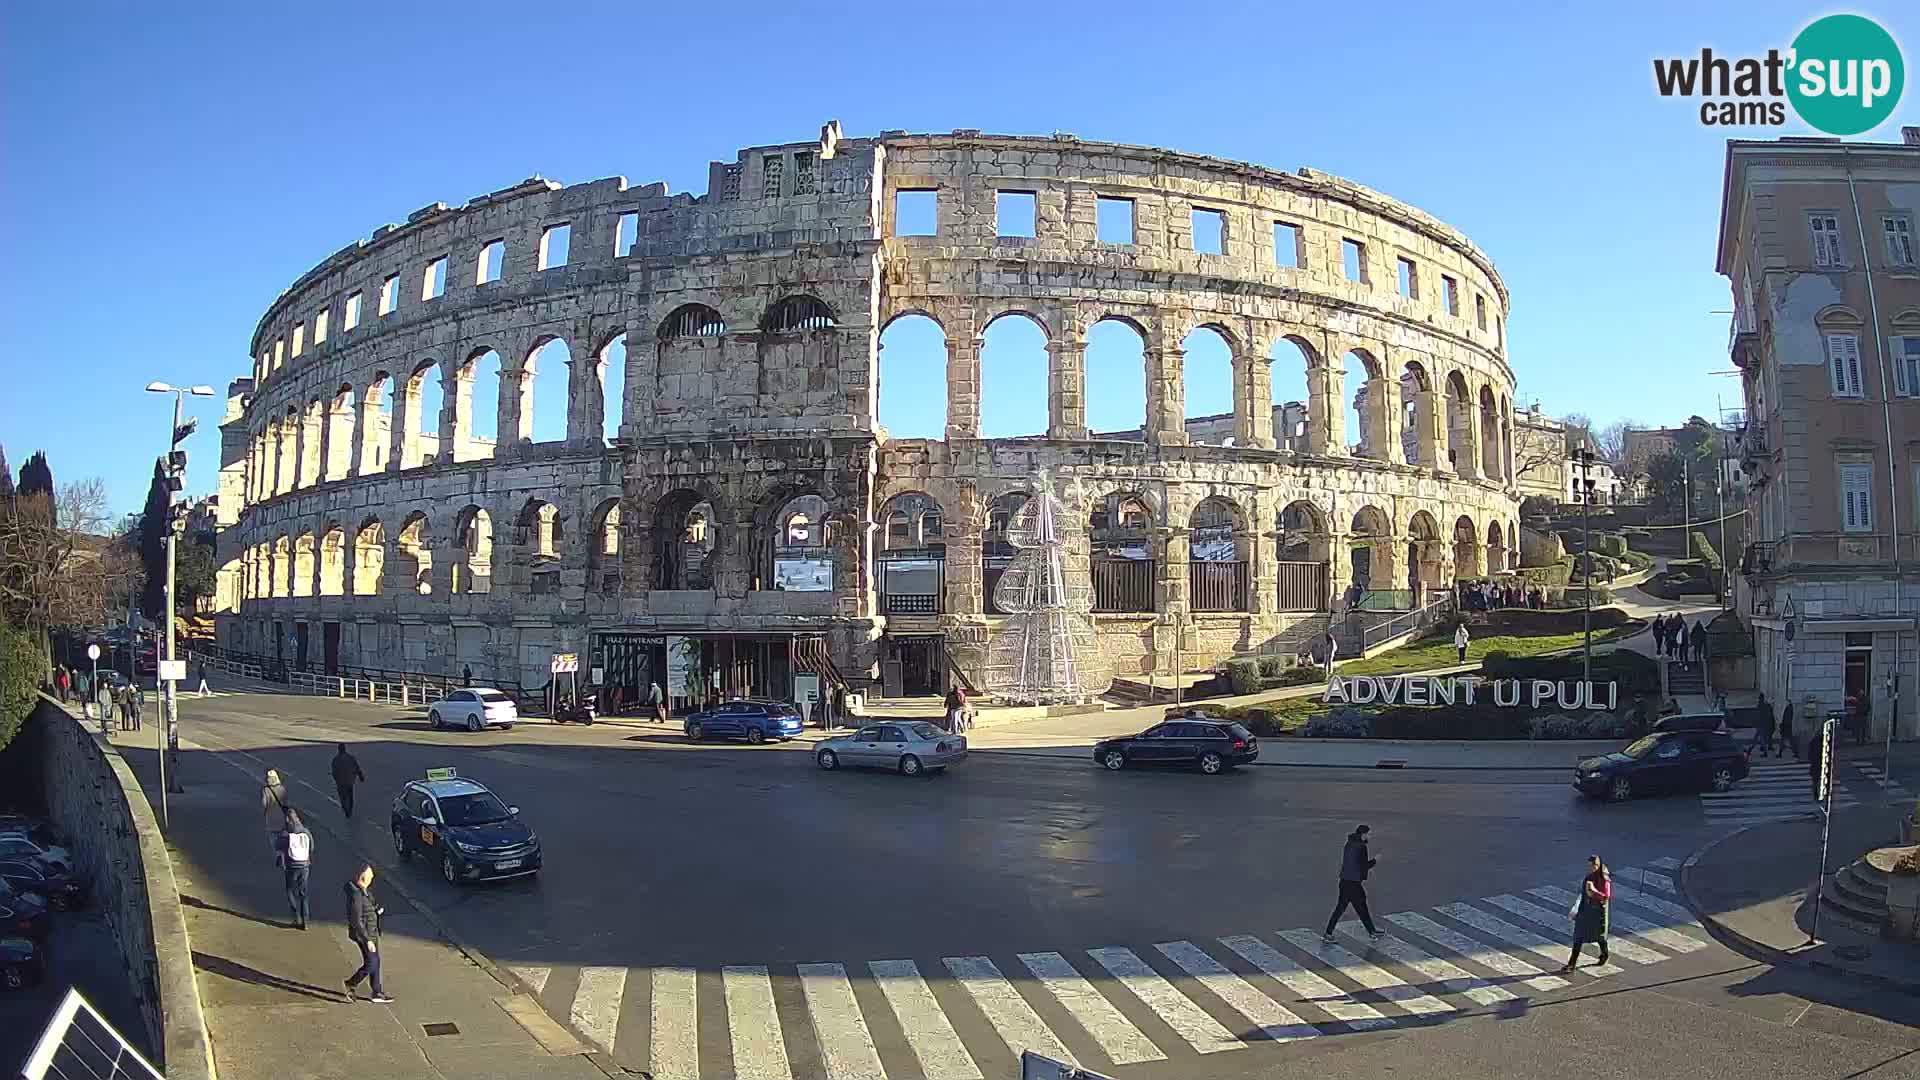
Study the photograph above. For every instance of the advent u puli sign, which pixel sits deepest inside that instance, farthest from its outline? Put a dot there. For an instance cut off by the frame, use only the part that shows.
(1467, 689)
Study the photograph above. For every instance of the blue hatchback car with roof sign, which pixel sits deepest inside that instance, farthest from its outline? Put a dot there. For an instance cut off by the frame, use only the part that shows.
(465, 828)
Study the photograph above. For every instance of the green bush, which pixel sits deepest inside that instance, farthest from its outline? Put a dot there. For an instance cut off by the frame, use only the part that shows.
(1636, 674)
(1575, 596)
(1244, 675)
(1301, 675)
(1612, 544)
(1636, 559)
(1704, 551)
(20, 662)
(1272, 667)
(1526, 622)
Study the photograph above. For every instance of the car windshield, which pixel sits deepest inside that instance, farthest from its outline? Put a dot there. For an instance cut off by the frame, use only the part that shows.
(1641, 747)
(492, 696)
(480, 808)
(927, 731)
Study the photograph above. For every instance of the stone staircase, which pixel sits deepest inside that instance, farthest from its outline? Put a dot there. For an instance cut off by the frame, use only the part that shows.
(1857, 895)
(1686, 678)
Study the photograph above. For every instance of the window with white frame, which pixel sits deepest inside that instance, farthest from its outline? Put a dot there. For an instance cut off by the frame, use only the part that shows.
(1906, 364)
(1843, 365)
(1899, 232)
(1826, 239)
(1856, 496)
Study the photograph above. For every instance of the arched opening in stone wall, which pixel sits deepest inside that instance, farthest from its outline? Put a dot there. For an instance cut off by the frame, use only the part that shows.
(424, 402)
(333, 560)
(685, 533)
(1496, 548)
(1367, 424)
(1121, 559)
(1466, 549)
(473, 532)
(1206, 378)
(1506, 436)
(1426, 553)
(1369, 560)
(794, 552)
(603, 550)
(545, 395)
(913, 378)
(376, 424)
(1513, 547)
(1462, 457)
(1116, 379)
(1219, 556)
(1013, 377)
(796, 314)
(313, 426)
(282, 566)
(611, 369)
(369, 557)
(303, 564)
(692, 321)
(288, 477)
(1489, 435)
(480, 385)
(1414, 421)
(1288, 362)
(415, 549)
(1304, 544)
(341, 415)
(797, 359)
(996, 552)
(913, 558)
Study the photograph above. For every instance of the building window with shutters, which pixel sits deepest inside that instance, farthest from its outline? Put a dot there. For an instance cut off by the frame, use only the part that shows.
(1826, 239)
(1856, 497)
(1906, 364)
(1843, 364)
(1899, 232)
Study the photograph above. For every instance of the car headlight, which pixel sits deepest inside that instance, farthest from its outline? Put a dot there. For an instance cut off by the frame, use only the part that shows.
(464, 847)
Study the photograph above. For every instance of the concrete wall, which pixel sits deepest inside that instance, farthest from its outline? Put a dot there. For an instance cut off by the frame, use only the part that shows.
(94, 801)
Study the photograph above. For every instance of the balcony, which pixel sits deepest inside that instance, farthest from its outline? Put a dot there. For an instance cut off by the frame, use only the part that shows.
(1743, 346)
(1757, 561)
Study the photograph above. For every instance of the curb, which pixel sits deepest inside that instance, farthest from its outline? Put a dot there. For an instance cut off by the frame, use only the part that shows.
(1011, 751)
(1741, 943)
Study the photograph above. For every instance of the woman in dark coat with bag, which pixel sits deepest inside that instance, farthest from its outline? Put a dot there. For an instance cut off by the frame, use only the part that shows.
(1590, 914)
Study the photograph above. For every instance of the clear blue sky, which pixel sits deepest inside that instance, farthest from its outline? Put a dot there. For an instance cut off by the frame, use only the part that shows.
(167, 173)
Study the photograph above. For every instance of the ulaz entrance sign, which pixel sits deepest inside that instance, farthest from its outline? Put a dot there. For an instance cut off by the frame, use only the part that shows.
(1467, 689)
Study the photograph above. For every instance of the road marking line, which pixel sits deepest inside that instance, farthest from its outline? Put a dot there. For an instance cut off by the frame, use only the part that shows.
(1451, 978)
(535, 977)
(759, 1050)
(942, 1055)
(1372, 976)
(596, 1004)
(675, 1025)
(1188, 1020)
(1325, 996)
(1658, 935)
(1123, 1042)
(1514, 935)
(1674, 912)
(845, 1043)
(1648, 877)
(1278, 1022)
(1495, 960)
(1012, 1018)
(1557, 920)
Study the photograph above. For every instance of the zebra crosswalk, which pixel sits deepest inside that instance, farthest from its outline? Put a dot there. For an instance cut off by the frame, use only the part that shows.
(1878, 778)
(970, 1017)
(1772, 791)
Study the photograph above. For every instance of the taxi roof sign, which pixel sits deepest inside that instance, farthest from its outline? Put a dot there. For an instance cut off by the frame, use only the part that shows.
(448, 773)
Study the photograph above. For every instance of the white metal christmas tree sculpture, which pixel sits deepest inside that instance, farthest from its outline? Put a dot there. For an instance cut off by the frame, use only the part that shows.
(1046, 653)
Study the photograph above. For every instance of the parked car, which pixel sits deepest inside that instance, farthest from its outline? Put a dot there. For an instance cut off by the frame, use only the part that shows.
(467, 828)
(1213, 746)
(35, 840)
(22, 964)
(1712, 721)
(745, 718)
(1664, 761)
(475, 709)
(63, 889)
(23, 914)
(910, 748)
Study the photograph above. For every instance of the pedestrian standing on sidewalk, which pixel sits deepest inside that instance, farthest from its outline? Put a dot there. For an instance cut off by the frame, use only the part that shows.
(346, 773)
(1763, 738)
(136, 701)
(466, 674)
(1354, 866)
(85, 687)
(60, 683)
(1659, 635)
(273, 808)
(204, 691)
(1460, 638)
(1699, 642)
(1590, 913)
(296, 854)
(1786, 733)
(363, 929)
(659, 702)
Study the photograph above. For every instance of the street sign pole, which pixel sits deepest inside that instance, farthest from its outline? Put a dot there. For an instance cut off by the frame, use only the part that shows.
(1824, 794)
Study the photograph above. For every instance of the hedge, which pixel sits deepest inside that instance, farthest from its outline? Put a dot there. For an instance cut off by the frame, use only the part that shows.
(20, 663)
(1705, 552)
(1636, 673)
(1529, 622)
(1249, 675)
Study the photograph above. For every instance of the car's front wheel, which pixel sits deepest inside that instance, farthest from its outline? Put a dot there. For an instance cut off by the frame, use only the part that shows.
(1723, 778)
(1114, 760)
(1211, 763)
(756, 736)
(400, 845)
(909, 765)
(1620, 789)
(449, 870)
(827, 760)
(696, 732)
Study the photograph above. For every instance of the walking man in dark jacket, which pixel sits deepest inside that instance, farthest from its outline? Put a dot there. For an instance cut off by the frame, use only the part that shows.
(1698, 643)
(346, 773)
(1763, 738)
(1659, 635)
(1354, 865)
(296, 854)
(363, 928)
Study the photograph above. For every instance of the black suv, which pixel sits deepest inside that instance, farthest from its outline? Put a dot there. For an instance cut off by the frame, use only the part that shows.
(1213, 745)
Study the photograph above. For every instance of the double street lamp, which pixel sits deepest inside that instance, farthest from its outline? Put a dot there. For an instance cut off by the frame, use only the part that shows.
(175, 467)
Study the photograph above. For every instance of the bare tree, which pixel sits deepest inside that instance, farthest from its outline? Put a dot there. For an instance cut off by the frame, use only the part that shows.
(55, 567)
(1610, 443)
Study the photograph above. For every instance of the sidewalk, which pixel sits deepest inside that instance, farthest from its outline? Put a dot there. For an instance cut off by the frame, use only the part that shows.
(1754, 888)
(272, 995)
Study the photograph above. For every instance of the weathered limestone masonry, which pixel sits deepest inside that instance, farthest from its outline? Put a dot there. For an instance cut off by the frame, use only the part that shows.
(749, 447)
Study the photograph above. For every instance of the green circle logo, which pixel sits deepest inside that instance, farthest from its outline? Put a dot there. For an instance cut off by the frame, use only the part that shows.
(1847, 74)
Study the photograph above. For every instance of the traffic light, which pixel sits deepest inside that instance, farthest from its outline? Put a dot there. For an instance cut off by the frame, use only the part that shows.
(177, 515)
(177, 458)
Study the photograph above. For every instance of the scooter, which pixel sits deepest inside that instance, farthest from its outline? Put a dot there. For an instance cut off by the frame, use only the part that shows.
(572, 713)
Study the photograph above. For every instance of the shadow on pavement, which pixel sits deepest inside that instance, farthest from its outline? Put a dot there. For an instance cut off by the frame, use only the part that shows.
(233, 969)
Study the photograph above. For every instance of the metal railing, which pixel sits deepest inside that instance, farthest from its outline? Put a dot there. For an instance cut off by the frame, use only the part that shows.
(1123, 585)
(1302, 586)
(910, 604)
(1384, 600)
(378, 685)
(1758, 558)
(1217, 586)
(1406, 622)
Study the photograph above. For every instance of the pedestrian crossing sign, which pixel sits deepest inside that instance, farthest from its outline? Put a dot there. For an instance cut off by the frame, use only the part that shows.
(448, 773)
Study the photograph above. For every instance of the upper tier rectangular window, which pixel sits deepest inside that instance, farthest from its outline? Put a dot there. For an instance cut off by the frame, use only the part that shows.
(554, 242)
(433, 283)
(1353, 260)
(492, 261)
(916, 212)
(1209, 231)
(351, 317)
(1013, 213)
(1286, 244)
(389, 294)
(625, 233)
(1113, 219)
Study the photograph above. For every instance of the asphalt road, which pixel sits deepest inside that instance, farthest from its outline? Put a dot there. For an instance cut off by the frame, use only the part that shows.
(758, 876)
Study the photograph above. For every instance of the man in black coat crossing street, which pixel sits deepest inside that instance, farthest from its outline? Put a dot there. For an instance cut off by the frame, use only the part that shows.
(363, 928)
(346, 773)
(1354, 865)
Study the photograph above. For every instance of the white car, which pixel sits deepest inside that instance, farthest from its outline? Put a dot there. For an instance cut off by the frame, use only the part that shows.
(22, 844)
(476, 710)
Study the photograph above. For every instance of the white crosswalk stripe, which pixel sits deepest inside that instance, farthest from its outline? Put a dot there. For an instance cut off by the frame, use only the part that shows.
(845, 1043)
(1879, 779)
(1773, 791)
(1109, 1027)
(1188, 1020)
(929, 1034)
(1274, 1019)
(1012, 1018)
(759, 1049)
(1196, 997)
(1325, 996)
(1373, 977)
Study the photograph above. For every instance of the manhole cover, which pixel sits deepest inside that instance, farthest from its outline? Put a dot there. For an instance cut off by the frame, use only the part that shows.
(1852, 952)
(441, 1029)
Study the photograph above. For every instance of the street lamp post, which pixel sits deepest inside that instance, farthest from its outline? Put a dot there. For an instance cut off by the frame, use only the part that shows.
(176, 468)
(1583, 461)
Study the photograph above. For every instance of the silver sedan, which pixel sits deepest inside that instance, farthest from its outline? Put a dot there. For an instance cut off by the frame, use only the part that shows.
(911, 748)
